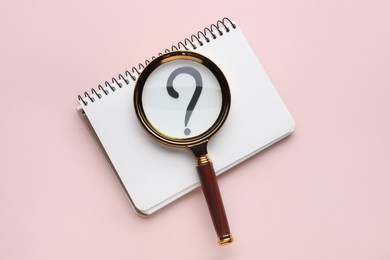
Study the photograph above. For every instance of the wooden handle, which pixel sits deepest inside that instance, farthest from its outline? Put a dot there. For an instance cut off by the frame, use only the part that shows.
(214, 201)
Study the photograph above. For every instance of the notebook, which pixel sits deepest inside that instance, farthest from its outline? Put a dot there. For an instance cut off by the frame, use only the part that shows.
(153, 175)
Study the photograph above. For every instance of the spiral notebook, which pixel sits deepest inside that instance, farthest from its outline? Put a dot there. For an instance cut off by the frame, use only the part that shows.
(152, 175)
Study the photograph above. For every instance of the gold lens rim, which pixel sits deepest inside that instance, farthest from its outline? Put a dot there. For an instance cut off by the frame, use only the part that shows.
(182, 55)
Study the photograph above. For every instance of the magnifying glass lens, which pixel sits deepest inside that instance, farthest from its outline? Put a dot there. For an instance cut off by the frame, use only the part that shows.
(182, 99)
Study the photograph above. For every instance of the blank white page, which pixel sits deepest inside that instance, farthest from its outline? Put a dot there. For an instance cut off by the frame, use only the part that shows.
(154, 175)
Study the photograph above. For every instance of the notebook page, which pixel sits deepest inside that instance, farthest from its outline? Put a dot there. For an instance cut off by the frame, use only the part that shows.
(155, 175)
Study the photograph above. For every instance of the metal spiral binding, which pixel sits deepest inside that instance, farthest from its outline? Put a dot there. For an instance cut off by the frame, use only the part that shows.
(215, 30)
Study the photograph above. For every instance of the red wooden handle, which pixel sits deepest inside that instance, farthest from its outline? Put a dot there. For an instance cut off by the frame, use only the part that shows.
(214, 202)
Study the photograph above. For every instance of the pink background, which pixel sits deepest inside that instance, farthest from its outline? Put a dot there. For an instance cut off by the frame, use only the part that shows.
(323, 193)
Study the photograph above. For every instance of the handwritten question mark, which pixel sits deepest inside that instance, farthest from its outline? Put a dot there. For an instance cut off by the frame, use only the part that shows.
(198, 90)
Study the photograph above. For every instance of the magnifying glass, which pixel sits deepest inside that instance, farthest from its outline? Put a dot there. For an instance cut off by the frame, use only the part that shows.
(182, 99)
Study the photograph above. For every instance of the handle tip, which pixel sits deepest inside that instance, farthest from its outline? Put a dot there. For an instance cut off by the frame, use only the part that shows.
(225, 240)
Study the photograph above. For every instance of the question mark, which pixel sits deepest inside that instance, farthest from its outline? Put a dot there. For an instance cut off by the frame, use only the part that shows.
(198, 90)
